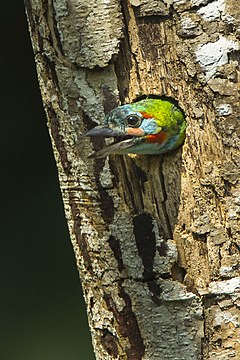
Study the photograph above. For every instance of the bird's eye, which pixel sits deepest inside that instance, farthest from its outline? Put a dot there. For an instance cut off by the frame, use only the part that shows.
(133, 120)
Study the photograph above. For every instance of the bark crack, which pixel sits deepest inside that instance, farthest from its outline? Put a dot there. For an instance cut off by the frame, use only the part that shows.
(55, 36)
(127, 323)
(169, 234)
(127, 33)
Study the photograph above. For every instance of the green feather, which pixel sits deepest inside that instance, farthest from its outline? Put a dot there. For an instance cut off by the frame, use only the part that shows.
(163, 111)
(166, 114)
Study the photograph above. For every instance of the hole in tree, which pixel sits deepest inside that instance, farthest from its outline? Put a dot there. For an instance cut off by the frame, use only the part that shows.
(161, 97)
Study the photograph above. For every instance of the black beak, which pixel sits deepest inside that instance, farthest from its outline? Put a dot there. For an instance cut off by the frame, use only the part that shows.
(115, 148)
(103, 131)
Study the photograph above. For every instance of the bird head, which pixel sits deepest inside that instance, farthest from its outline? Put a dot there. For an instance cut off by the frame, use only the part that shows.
(150, 126)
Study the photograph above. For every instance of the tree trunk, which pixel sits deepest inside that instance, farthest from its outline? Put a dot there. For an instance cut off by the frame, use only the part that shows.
(156, 238)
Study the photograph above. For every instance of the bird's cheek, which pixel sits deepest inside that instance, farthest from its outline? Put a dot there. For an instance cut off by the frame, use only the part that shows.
(159, 138)
(135, 131)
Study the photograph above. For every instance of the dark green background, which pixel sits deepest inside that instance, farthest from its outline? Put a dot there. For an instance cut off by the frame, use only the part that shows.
(42, 314)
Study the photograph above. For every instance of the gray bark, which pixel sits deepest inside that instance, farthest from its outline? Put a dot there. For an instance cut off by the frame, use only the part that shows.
(156, 238)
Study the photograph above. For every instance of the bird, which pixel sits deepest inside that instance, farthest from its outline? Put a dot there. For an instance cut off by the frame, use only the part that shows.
(145, 127)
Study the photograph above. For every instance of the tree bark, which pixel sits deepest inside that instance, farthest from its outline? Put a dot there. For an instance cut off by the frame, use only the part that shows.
(156, 238)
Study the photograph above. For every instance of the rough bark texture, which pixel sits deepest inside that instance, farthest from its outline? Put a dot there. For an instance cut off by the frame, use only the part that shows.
(156, 239)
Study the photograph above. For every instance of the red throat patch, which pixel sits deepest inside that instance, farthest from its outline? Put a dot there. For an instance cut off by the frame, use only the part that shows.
(157, 138)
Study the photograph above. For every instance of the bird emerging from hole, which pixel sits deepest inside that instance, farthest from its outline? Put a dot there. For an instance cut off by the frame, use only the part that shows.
(149, 126)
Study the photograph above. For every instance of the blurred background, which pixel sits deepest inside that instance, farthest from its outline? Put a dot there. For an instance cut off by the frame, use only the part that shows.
(42, 313)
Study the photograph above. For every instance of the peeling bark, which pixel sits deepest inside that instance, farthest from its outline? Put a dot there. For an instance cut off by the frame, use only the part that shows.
(156, 238)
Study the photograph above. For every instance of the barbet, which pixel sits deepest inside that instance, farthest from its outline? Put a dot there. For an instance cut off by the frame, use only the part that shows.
(150, 126)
